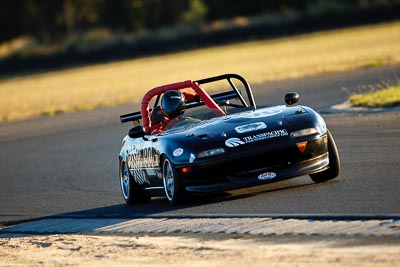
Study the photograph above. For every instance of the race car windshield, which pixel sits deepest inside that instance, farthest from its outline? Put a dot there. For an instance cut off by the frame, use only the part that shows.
(193, 116)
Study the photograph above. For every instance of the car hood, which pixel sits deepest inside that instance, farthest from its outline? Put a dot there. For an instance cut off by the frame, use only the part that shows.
(232, 133)
(263, 119)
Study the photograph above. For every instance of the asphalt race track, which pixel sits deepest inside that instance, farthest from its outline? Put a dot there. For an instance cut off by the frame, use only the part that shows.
(69, 163)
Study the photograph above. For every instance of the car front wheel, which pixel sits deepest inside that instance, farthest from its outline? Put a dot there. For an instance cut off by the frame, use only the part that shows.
(173, 188)
(334, 163)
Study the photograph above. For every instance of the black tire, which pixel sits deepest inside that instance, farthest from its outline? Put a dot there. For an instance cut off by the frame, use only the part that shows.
(334, 163)
(131, 191)
(173, 187)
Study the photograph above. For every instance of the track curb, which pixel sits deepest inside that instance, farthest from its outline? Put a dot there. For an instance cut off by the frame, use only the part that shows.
(254, 226)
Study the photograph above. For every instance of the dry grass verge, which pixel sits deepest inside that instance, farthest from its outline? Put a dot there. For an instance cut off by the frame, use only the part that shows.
(388, 97)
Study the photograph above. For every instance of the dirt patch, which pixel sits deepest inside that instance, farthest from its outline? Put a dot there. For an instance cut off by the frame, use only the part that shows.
(100, 250)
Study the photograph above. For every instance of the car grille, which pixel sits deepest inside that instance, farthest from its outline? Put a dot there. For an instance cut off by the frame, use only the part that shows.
(272, 161)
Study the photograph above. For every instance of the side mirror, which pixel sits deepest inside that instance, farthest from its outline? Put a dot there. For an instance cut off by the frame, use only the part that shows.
(292, 98)
(136, 132)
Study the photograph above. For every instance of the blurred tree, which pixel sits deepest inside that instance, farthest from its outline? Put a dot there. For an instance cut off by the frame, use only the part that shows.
(117, 15)
(232, 8)
(196, 12)
(80, 14)
(161, 13)
(50, 20)
(11, 20)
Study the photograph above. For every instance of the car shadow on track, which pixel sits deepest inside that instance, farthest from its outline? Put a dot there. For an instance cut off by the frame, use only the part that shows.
(116, 216)
(249, 192)
(192, 207)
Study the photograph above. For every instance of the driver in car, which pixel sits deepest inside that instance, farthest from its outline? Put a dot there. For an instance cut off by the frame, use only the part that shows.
(172, 108)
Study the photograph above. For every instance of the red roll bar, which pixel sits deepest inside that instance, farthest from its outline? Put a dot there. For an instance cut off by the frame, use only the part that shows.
(144, 108)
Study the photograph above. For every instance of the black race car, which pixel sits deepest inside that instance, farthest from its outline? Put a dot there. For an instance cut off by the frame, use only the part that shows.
(222, 142)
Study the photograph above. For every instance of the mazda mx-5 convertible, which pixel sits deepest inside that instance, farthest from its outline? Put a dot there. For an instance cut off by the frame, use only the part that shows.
(219, 141)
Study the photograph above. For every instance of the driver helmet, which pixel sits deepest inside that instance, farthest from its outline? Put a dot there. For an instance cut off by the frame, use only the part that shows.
(173, 104)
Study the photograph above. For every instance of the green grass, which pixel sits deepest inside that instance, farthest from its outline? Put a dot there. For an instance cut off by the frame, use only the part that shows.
(102, 85)
(388, 97)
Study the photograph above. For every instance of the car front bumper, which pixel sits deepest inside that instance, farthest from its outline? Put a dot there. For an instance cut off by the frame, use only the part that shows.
(256, 166)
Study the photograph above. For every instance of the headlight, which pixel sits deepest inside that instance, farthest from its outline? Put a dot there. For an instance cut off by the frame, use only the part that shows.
(303, 132)
(211, 152)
